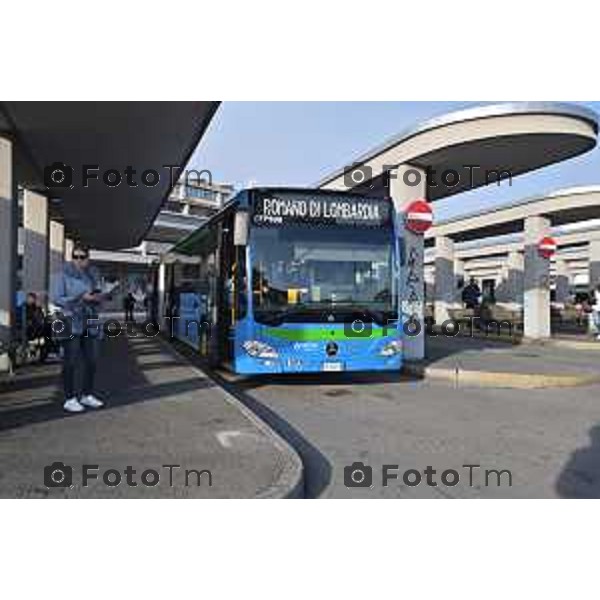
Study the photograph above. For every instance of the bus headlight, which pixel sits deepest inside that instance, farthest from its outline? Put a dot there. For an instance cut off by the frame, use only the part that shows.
(259, 349)
(391, 348)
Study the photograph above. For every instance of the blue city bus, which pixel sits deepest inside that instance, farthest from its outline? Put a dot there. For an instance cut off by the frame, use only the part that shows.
(294, 281)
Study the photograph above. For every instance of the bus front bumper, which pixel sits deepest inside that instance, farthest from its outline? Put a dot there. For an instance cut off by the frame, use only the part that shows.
(292, 364)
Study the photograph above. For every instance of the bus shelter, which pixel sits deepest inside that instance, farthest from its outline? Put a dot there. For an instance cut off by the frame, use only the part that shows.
(457, 152)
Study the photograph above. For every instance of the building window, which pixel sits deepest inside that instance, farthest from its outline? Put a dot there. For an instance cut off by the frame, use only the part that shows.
(202, 193)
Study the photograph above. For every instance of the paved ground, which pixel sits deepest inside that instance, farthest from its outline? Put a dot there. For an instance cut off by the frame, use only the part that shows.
(160, 411)
(548, 439)
(550, 362)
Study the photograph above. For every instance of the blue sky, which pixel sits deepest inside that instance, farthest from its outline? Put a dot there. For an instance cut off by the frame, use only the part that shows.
(296, 143)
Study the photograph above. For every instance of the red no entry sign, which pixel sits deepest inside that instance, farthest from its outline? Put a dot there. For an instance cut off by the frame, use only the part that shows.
(418, 216)
(547, 246)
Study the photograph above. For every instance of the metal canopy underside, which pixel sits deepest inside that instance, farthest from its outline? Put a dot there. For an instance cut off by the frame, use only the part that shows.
(113, 135)
(172, 228)
(518, 137)
(517, 154)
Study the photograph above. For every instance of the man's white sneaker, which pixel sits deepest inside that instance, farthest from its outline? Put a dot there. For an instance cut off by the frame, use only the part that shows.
(73, 405)
(91, 401)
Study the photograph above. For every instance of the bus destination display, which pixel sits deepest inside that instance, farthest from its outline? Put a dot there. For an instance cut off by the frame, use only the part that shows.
(275, 209)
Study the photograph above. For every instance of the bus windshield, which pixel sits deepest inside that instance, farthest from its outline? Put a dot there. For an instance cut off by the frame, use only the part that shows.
(301, 272)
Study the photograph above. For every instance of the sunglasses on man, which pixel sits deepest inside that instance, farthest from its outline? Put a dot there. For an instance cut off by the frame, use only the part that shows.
(80, 256)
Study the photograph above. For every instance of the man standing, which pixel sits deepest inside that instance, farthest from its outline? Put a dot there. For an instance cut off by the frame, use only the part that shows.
(471, 294)
(77, 294)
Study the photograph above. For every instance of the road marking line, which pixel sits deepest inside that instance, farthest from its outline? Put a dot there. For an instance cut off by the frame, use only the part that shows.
(225, 437)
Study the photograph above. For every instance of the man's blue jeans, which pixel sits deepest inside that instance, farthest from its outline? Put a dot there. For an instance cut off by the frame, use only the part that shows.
(79, 366)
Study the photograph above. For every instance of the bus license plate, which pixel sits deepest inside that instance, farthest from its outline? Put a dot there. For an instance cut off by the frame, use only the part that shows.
(333, 366)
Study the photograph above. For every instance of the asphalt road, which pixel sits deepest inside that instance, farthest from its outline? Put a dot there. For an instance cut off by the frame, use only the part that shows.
(549, 440)
(159, 411)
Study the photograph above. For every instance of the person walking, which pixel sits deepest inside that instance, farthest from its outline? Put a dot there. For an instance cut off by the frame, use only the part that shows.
(596, 310)
(129, 306)
(77, 294)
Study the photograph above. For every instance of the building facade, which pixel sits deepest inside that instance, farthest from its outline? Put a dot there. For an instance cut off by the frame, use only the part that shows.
(197, 197)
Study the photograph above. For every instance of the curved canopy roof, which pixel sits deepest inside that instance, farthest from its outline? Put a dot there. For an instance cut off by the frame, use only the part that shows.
(515, 137)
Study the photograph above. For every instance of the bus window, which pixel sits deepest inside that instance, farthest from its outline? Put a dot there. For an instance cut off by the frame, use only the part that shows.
(296, 266)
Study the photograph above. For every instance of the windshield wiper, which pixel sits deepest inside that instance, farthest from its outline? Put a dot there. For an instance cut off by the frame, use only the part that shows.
(322, 310)
(379, 316)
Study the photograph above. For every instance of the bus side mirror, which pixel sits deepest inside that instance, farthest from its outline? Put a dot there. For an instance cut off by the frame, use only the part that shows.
(240, 228)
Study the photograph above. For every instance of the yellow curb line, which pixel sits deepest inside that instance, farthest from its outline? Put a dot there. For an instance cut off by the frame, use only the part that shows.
(522, 381)
(517, 340)
(575, 345)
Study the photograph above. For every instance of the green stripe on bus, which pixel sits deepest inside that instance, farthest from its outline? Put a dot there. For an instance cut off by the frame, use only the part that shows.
(321, 334)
